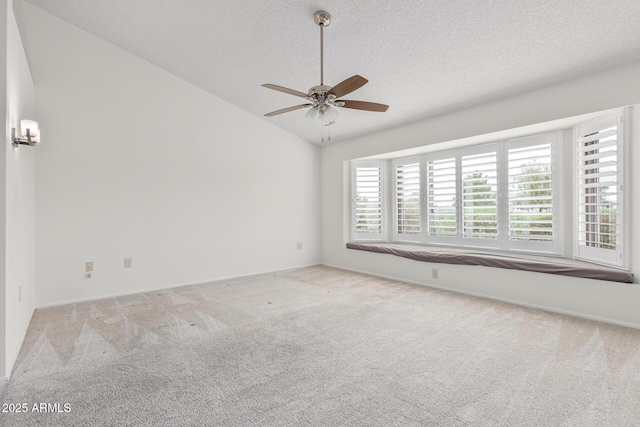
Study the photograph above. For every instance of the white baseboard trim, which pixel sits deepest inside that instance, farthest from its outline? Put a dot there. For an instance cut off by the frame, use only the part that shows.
(280, 270)
(491, 297)
(162, 288)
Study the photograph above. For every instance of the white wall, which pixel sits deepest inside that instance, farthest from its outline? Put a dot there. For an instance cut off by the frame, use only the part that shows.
(135, 162)
(20, 199)
(17, 286)
(612, 302)
(3, 188)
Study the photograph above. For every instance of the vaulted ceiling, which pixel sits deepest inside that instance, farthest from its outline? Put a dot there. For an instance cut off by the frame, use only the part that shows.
(423, 58)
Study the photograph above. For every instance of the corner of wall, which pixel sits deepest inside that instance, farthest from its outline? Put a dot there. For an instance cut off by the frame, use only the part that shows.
(19, 200)
(221, 204)
(3, 176)
(3, 387)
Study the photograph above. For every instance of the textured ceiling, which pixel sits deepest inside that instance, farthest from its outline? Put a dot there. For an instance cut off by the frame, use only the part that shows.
(423, 58)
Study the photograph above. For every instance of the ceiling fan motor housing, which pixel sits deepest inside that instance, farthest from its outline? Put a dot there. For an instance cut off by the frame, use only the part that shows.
(319, 92)
(318, 95)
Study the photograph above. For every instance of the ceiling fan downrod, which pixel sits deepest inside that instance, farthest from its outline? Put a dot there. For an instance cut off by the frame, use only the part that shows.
(322, 19)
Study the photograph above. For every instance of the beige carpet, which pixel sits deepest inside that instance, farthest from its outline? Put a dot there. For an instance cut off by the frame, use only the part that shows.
(321, 347)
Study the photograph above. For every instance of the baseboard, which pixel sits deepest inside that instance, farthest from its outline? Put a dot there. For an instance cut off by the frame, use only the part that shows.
(491, 297)
(163, 288)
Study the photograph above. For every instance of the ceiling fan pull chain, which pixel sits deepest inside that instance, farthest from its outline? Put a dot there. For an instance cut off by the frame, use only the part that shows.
(328, 128)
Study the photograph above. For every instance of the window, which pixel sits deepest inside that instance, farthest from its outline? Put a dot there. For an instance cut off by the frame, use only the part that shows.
(530, 193)
(408, 222)
(505, 195)
(599, 202)
(534, 208)
(495, 196)
(367, 201)
(442, 193)
(479, 184)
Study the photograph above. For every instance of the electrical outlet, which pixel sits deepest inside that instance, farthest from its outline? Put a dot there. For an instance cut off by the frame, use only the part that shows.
(128, 263)
(434, 273)
(299, 246)
(88, 266)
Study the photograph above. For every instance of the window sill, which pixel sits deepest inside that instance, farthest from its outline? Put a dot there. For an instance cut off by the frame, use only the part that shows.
(540, 264)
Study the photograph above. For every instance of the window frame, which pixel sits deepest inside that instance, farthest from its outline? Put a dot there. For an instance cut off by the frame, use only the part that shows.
(406, 237)
(619, 257)
(453, 154)
(502, 242)
(369, 237)
(556, 246)
(565, 212)
(475, 150)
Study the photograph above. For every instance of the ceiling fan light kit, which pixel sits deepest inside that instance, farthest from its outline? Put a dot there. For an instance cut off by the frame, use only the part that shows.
(325, 113)
(322, 99)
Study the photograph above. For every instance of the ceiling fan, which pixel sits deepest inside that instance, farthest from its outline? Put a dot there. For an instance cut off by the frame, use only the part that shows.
(322, 98)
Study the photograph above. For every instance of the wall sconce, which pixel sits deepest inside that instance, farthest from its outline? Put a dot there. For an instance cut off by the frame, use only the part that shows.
(30, 132)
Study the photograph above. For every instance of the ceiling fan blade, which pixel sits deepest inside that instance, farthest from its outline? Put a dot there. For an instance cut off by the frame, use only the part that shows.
(362, 105)
(286, 110)
(285, 90)
(347, 86)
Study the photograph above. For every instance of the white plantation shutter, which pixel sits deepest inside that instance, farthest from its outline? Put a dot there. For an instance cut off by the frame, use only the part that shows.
(479, 185)
(367, 203)
(442, 196)
(599, 190)
(533, 193)
(506, 195)
(408, 223)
